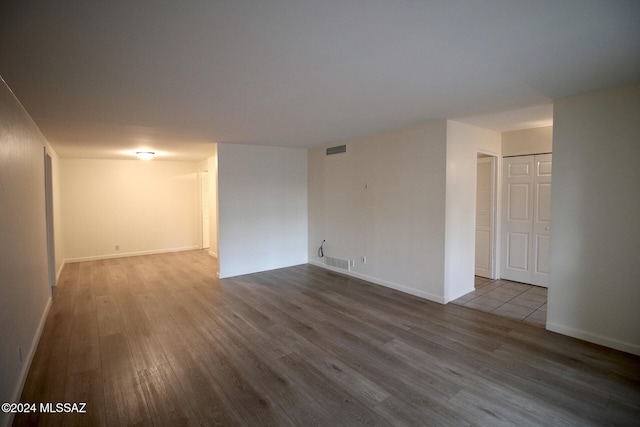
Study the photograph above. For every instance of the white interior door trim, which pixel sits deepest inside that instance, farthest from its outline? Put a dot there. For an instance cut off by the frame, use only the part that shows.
(486, 209)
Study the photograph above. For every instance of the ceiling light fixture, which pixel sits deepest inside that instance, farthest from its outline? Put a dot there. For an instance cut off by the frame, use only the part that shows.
(145, 155)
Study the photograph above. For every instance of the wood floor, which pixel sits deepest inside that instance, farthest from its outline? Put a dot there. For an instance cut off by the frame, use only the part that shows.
(157, 340)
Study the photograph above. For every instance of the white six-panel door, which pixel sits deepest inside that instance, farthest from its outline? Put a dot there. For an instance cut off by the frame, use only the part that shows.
(526, 219)
(541, 238)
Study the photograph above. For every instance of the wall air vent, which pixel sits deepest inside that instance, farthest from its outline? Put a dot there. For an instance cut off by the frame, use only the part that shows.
(336, 150)
(343, 264)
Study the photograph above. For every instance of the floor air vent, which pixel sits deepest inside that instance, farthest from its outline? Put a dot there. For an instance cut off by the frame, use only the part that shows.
(344, 264)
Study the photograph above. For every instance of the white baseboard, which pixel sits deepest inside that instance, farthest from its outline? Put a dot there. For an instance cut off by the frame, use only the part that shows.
(128, 254)
(595, 338)
(386, 284)
(17, 392)
(213, 254)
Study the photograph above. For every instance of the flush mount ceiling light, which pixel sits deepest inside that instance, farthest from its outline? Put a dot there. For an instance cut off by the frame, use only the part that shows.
(145, 155)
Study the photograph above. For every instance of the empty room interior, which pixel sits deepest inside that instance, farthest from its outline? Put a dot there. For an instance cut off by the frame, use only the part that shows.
(320, 213)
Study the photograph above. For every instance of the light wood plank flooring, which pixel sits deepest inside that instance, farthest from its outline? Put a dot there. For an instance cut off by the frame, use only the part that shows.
(157, 340)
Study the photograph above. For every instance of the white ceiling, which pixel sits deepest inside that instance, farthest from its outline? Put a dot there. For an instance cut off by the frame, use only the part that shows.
(103, 79)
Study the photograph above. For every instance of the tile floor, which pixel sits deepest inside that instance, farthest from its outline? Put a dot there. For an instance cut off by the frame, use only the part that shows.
(518, 301)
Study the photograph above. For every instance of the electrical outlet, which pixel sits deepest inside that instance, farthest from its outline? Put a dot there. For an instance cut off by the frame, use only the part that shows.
(363, 259)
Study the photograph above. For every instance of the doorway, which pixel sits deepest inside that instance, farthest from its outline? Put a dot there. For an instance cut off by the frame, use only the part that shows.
(204, 208)
(486, 206)
(526, 220)
(48, 197)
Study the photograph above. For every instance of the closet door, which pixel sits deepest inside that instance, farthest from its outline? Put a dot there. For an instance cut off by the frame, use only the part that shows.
(541, 220)
(526, 219)
(517, 222)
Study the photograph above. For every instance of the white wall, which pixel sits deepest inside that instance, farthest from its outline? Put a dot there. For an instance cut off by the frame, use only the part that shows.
(594, 292)
(398, 221)
(142, 206)
(463, 143)
(527, 141)
(25, 295)
(262, 208)
(405, 200)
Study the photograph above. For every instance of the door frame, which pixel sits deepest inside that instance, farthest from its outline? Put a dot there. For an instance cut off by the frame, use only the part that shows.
(48, 198)
(496, 182)
(203, 201)
(533, 201)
